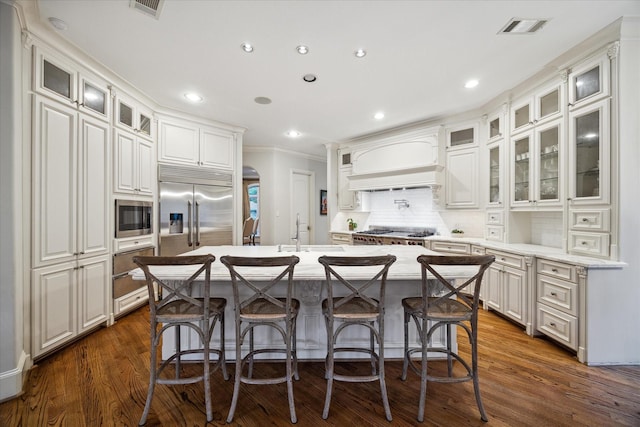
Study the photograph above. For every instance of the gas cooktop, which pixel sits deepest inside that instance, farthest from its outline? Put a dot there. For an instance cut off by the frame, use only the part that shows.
(399, 232)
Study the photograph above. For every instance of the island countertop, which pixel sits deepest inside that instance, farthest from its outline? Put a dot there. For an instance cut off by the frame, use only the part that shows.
(405, 268)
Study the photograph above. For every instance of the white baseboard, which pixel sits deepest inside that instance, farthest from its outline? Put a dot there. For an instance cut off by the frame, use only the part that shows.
(11, 381)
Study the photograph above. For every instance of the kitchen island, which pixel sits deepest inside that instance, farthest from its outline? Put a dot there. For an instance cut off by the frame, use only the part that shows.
(403, 280)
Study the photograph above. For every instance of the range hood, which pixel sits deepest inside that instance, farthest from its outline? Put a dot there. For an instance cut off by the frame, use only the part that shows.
(396, 164)
(423, 176)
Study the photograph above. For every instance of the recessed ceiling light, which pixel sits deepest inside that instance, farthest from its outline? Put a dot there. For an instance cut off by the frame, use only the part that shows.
(58, 24)
(247, 47)
(193, 97)
(471, 84)
(302, 49)
(262, 100)
(379, 115)
(360, 53)
(309, 78)
(293, 133)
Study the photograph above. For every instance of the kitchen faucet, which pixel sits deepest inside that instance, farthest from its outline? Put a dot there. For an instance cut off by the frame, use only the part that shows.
(297, 236)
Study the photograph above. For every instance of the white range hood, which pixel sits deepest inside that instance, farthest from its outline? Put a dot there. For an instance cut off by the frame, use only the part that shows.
(405, 162)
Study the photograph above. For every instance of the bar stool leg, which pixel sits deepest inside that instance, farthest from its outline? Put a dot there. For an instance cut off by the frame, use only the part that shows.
(423, 369)
(405, 362)
(329, 368)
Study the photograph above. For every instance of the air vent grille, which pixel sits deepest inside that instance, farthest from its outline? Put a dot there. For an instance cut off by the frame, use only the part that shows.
(149, 7)
(523, 26)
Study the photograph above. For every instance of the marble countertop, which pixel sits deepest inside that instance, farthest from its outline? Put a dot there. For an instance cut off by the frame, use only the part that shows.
(405, 268)
(525, 249)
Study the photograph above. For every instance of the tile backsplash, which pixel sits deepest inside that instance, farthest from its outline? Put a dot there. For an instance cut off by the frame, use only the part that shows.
(414, 208)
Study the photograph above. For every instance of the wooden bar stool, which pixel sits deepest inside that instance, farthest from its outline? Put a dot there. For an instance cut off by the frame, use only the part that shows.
(445, 304)
(180, 308)
(253, 281)
(361, 305)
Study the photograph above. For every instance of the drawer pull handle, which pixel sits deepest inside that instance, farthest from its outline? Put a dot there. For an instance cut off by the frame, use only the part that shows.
(583, 243)
(585, 219)
(553, 294)
(502, 259)
(552, 324)
(554, 270)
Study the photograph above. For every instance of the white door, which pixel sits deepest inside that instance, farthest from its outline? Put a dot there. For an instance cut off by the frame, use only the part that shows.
(301, 185)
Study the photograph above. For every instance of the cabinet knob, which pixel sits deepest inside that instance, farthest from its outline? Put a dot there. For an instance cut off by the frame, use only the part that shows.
(585, 219)
(552, 324)
(553, 294)
(555, 270)
(583, 243)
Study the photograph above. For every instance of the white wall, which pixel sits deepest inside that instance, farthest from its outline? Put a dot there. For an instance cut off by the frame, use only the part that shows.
(12, 282)
(274, 167)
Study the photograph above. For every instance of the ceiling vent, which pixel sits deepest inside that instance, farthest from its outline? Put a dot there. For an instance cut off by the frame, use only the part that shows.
(148, 7)
(523, 26)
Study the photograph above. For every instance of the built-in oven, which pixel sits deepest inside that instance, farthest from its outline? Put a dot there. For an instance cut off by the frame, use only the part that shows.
(133, 218)
(123, 263)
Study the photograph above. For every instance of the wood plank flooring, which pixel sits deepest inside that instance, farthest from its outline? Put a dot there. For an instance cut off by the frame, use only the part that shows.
(102, 380)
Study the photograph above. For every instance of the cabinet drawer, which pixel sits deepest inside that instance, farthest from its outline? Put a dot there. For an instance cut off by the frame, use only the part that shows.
(591, 244)
(130, 301)
(590, 220)
(451, 247)
(341, 238)
(559, 270)
(558, 294)
(495, 233)
(494, 218)
(477, 250)
(511, 260)
(127, 244)
(558, 325)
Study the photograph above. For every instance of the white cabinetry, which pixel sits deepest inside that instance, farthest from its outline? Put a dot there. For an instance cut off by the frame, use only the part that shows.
(558, 302)
(61, 80)
(544, 105)
(590, 80)
(536, 157)
(134, 164)
(133, 116)
(461, 182)
(69, 298)
(189, 144)
(506, 287)
(347, 199)
(338, 238)
(71, 184)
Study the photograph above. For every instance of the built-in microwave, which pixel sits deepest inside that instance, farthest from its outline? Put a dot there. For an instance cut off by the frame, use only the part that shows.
(133, 218)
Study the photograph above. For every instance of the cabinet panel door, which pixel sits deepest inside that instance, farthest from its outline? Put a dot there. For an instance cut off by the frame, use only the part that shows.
(146, 175)
(462, 179)
(125, 169)
(55, 178)
(492, 288)
(216, 149)
(179, 144)
(93, 186)
(53, 305)
(513, 303)
(93, 289)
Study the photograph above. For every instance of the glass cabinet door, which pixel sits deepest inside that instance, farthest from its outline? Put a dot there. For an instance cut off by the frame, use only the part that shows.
(145, 124)
(587, 154)
(57, 80)
(494, 175)
(522, 166)
(94, 98)
(587, 83)
(125, 114)
(522, 116)
(548, 183)
(549, 103)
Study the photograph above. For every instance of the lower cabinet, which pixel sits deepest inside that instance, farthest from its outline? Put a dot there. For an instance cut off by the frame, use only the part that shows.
(340, 238)
(69, 299)
(557, 311)
(506, 288)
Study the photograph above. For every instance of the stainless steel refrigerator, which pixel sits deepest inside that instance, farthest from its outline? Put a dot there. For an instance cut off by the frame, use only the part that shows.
(196, 209)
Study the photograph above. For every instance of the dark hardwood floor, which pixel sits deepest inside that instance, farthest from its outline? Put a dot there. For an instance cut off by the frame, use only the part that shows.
(101, 380)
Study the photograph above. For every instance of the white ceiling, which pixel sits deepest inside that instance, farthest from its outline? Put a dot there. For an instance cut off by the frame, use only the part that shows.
(419, 55)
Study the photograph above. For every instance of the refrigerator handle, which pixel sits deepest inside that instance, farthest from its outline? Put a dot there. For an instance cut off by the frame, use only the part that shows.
(189, 224)
(197, 221)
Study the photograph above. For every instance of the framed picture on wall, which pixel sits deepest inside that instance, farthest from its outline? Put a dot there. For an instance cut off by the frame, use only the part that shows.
(323, 202)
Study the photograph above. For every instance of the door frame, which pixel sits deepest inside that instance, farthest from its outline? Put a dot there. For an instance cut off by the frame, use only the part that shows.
(292, 211)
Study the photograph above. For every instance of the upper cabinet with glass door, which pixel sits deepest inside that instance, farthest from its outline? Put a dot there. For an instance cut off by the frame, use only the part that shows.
(133, 116)
(589, 81)
(65, 82)
(536, 159)
(589, 154)
(544, 105)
